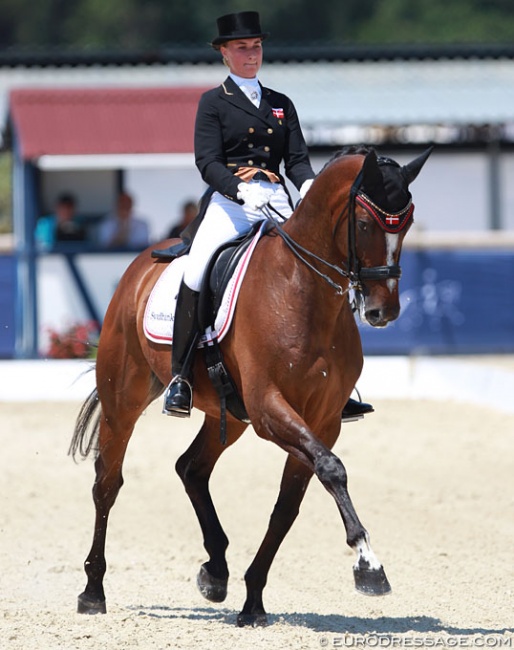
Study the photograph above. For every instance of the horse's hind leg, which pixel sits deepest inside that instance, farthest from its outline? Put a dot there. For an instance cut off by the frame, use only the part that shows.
(107, 484)
(295, 480)
(120, 412)
(194, 468)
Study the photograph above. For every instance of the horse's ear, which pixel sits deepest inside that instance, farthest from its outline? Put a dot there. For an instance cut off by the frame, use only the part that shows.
(372, 179)
(412, 169)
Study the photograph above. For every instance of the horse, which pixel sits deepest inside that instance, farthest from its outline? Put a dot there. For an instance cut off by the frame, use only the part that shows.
(293, 351)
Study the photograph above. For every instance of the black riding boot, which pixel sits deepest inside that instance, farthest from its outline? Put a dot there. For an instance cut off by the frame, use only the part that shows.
(178, 398)
(355, 410)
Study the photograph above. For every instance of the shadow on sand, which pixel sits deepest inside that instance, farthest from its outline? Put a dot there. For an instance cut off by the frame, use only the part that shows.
(326, 623)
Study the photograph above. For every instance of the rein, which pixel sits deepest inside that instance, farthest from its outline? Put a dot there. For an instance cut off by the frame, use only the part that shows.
(295, 248)
(355, 273)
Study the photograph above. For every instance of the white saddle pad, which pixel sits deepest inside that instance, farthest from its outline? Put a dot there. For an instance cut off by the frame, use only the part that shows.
(160, 309)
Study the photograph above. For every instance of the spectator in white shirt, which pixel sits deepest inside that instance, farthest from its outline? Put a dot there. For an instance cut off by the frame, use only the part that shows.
(122, 228)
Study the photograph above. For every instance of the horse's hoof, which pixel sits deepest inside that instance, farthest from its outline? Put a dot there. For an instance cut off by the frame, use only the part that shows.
(88, 606)
(372, 582)
(252, 620)
(214, 589)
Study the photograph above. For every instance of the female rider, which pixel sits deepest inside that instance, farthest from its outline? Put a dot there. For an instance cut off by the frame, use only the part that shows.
(243, 133)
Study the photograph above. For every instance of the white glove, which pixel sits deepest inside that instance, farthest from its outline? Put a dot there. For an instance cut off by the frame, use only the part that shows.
(305, 187)
(253, 195)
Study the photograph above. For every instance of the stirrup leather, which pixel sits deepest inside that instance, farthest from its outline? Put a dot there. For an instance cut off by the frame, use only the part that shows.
(181, 410)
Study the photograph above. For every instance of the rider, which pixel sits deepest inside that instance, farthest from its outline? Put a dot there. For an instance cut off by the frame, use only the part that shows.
(243, 132)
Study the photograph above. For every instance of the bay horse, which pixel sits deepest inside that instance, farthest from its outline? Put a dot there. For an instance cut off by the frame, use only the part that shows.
(294, 352)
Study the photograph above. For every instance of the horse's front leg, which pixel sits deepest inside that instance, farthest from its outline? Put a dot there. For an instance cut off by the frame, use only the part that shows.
(194, 468)
(285, 427)
(369, 575)
(295, 480)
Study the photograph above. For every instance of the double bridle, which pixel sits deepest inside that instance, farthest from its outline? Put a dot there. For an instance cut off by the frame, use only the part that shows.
(355, 273)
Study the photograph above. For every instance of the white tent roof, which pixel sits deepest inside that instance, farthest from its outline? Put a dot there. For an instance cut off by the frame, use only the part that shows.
(332, 98)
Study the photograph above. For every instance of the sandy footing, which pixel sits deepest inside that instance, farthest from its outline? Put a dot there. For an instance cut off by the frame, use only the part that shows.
(432, 481)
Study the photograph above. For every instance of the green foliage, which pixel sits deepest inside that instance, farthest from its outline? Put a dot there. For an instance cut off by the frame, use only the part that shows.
(133, 24)
(439, 21)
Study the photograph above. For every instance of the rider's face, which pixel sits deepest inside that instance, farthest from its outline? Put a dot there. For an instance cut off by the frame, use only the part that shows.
(243, 57)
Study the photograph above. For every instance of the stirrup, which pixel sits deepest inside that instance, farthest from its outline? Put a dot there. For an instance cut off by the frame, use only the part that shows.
(355, 410)
(351, 418)
(180, 403)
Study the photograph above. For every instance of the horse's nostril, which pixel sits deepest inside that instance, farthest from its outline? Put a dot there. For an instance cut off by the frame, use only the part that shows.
(381, 317)
(374, 316)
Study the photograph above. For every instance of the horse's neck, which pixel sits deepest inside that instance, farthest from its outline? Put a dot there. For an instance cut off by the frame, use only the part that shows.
(311, 226)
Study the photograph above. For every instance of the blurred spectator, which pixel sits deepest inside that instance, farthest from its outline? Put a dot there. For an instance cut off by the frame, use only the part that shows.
(61, 226)
(189, 212)
(122, 228)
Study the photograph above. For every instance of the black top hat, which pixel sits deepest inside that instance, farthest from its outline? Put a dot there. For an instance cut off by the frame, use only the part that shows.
(245, 24)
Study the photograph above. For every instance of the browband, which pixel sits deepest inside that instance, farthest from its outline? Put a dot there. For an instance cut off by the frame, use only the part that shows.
(390, 221)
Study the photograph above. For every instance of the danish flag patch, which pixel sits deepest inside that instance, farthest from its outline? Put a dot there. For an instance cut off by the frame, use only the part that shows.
(278, 113)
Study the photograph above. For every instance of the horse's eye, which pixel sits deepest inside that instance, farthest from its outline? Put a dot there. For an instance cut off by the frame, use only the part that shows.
(362, 225)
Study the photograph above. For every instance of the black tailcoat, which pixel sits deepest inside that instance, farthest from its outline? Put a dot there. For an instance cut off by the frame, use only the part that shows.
(230, 132)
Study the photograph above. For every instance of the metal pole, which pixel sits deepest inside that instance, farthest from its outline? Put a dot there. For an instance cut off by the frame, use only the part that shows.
(24, 213)
(494, 150)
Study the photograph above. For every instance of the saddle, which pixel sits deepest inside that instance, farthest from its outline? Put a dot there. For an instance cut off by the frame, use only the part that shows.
(221, 269)
(217, 276)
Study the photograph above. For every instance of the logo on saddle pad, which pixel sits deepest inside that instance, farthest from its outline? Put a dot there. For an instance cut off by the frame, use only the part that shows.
(160, 309)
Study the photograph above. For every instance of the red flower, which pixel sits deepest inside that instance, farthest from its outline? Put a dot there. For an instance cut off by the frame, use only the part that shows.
(72, 343)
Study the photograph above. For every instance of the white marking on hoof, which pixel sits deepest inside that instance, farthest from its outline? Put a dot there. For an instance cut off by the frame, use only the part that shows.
(366, 558)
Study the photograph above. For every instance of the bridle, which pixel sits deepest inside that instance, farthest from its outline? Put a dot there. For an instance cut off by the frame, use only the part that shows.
(392, 222)
(355, 272)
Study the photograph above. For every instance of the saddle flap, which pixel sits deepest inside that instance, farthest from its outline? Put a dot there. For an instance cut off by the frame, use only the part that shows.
(216, 305)
(219, 272)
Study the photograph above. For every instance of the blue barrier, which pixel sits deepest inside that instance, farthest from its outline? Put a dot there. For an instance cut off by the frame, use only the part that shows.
(7, 302)
(452, 302)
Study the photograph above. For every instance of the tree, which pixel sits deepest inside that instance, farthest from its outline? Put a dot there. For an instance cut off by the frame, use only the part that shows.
(439, 21)
(143, 24)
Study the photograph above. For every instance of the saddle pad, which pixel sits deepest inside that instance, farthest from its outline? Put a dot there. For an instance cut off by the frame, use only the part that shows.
(160, 309)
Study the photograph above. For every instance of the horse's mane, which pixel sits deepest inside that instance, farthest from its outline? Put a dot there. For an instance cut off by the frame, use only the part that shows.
(349, 150)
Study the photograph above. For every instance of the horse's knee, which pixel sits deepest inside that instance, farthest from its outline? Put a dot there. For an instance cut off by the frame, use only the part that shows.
(330, 470)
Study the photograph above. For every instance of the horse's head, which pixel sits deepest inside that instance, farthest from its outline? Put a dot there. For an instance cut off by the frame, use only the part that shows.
(379, 216)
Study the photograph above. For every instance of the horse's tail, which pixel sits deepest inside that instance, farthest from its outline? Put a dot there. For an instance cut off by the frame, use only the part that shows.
(85, 435)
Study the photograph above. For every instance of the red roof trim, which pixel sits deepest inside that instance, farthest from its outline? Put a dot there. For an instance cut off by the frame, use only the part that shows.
(56, 121)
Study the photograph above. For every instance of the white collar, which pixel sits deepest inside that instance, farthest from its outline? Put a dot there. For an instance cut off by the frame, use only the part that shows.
(248, 83)
(250, 87)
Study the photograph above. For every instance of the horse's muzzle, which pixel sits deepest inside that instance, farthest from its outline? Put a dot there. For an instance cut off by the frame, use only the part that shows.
(381, 316)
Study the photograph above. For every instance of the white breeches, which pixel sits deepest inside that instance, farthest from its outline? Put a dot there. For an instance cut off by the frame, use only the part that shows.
(225, 220)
